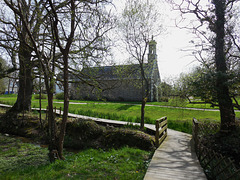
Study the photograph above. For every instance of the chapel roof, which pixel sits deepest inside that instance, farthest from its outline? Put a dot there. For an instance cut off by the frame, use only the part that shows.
(118, 71)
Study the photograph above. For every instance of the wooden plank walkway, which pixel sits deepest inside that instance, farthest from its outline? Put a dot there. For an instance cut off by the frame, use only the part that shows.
(173, 160)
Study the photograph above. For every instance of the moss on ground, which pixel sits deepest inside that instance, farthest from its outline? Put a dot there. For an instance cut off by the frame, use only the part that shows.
(80, 134)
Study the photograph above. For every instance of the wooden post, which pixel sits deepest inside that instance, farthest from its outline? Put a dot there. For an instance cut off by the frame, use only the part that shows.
(195, 134)
(166, 124)
(157, 134)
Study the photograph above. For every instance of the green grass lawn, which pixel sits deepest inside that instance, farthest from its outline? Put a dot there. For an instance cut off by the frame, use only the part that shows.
(179, 119)
(126, 111)
(28, 161)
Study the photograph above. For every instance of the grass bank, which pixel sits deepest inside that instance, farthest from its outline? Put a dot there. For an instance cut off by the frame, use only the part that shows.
(179, 119)
(28, 161)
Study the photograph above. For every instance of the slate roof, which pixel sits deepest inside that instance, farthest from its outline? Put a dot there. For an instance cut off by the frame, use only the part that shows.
(117, 72)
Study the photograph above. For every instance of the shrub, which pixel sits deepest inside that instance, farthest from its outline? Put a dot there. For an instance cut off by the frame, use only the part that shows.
(82, 134)
(163, 99)
(43, 96)
(60, 96)
(118, 138)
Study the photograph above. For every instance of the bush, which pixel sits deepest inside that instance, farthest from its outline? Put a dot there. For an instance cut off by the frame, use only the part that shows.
(163, 99)
(43, 96)
(118, 138)
(82, 134)
(60, 96)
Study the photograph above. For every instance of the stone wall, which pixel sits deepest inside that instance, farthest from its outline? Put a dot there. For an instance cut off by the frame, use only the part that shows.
(112, 90)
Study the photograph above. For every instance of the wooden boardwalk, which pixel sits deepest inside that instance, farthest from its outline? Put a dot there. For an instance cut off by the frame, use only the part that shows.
(173, 160)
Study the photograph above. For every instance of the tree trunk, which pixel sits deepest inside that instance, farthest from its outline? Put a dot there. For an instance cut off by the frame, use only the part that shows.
(53, 148)
(224, 100)
(13, 85)
(9, 83)
(24, 97)
(145, 95)
(144, 101)
(52, 127)
(65, 108)
(65, 53)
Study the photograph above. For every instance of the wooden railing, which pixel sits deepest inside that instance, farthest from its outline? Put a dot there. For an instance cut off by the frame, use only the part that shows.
(161, 131)
(56, 111)
(195, 134)
(215, 165)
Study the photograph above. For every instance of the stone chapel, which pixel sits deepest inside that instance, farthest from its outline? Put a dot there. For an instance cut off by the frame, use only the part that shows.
(119, 82)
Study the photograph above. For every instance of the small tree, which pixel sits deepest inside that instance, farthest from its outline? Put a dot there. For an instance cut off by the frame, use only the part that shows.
(166, 91)
(71, 26)
(139, 24)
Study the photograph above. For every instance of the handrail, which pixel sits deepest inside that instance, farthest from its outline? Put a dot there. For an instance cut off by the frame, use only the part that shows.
(161, 131)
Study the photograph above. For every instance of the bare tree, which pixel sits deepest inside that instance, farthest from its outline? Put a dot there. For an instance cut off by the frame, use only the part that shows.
(14, 38)
(140, 23)
(75, 28)
(68, 23)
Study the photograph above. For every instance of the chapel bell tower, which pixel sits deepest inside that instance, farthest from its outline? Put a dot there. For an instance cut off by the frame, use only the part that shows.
(152, 54)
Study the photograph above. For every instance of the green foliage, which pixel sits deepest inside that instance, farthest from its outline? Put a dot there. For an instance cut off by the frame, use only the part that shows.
(37, 96)
(2, 67)
(163, 99)
(166, 90)
(202, 84)
(2, 86)
(60, 96)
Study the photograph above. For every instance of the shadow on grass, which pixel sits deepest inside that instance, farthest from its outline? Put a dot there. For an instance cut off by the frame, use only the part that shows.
(124, 107)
